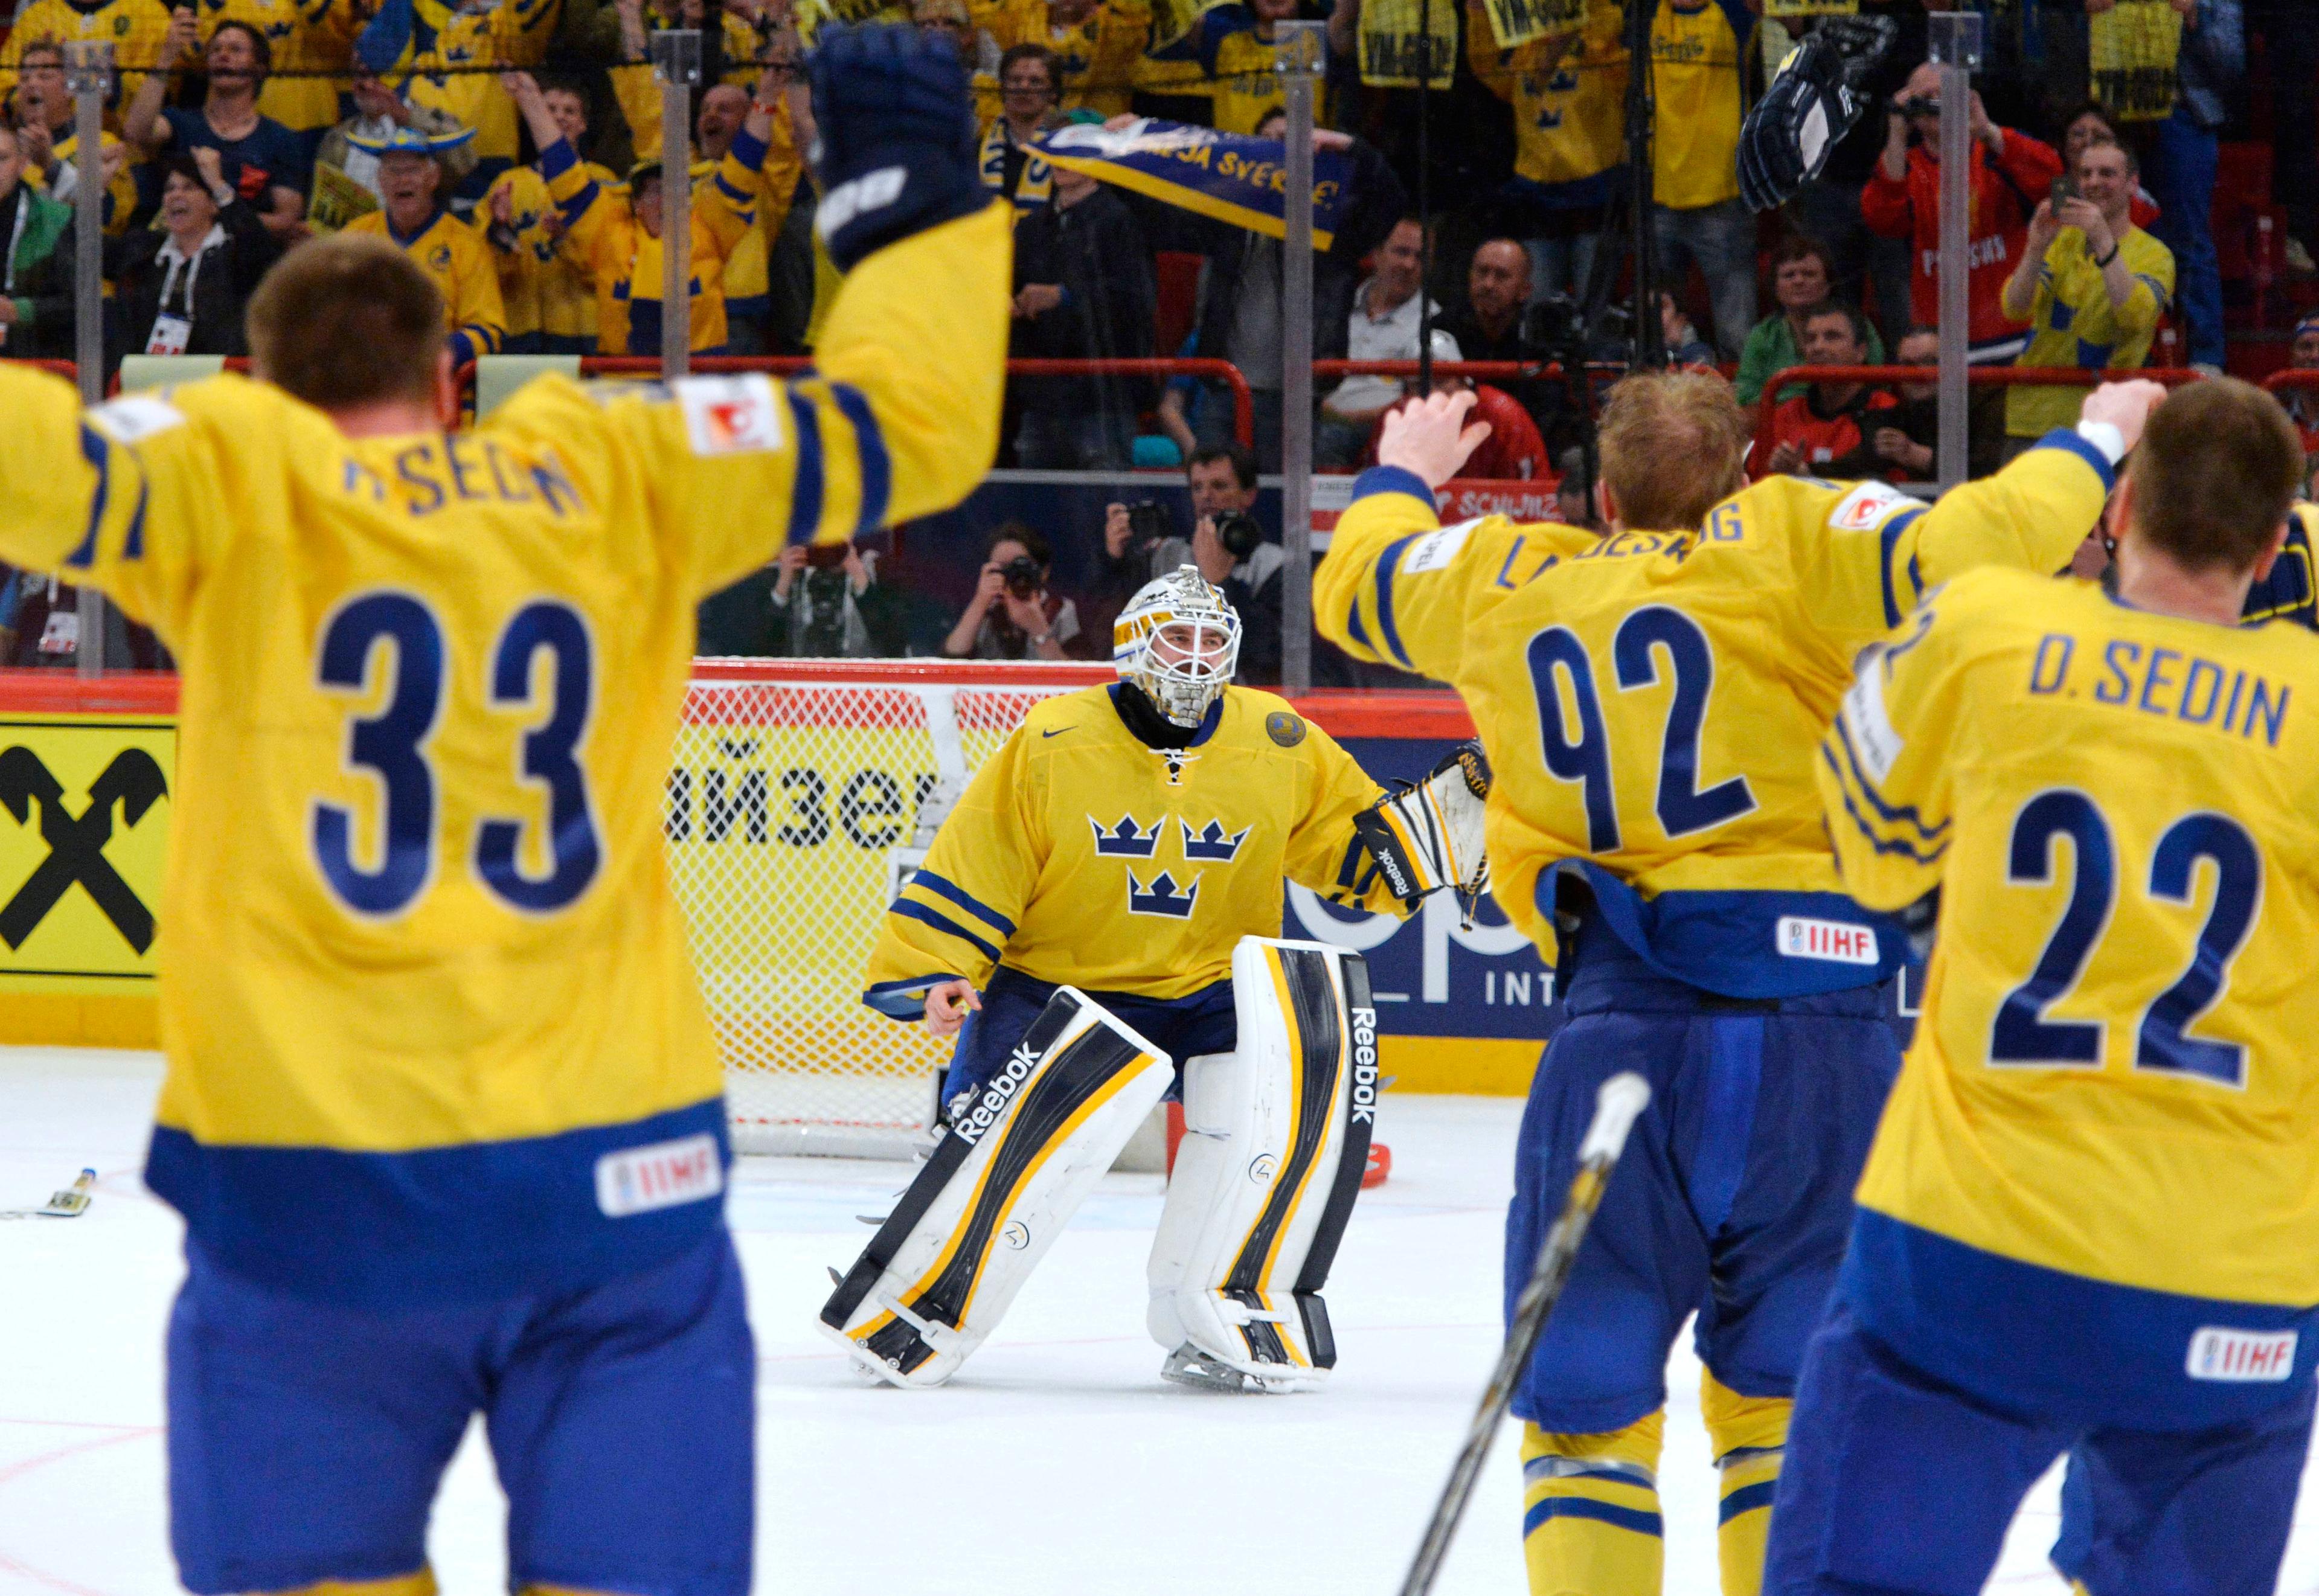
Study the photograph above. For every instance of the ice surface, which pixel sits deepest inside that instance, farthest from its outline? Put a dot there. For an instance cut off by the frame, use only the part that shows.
(1057, 1462)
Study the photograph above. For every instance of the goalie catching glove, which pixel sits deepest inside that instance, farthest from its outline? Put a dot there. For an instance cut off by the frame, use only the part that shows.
(1815, 98)
(895, 148)
(1426, 835)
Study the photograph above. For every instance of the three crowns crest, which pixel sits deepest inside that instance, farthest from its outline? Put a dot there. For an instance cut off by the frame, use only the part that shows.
(1162, 897)
(1127, 839)
(1210, 842)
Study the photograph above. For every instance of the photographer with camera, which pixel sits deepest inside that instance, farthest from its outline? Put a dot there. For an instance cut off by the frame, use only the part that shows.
(2011, 173)
(827, 603)
(1012, 615)
(1227, 543)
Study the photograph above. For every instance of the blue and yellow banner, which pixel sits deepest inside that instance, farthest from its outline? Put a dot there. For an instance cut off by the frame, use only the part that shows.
(1229, 177)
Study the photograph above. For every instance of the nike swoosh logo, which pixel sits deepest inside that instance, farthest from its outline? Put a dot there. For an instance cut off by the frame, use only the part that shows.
(1058, 731)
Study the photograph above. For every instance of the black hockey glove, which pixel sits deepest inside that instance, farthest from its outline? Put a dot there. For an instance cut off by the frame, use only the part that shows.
(895, 145)
(1817, 96)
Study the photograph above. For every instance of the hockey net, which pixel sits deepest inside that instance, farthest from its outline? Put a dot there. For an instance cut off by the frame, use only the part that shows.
(800, 794)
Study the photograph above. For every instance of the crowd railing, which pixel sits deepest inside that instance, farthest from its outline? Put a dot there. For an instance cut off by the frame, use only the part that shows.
(1977, 377)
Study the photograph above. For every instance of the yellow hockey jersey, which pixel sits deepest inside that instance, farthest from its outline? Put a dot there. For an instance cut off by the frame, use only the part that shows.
(467, 38)
(544, 284)
(134, 28)
(2072, 323)
(432, 1022)
(455, 256)
(626, 262)
(1096, 58)
(301, 36)
(2111, 1081)
(772, 187)
(1078, 855)
(1569, 117)
(1652, 701)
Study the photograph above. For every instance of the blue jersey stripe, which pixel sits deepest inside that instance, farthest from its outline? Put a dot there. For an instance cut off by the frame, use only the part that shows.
(98, 453)
(804, 494)
(1387, 633)
(910, 909)
(943, 887)
(1747, 1500)
(1875, 839)
(877, 465)
(1896, 815)
(1888, 539)
(1580, 1507)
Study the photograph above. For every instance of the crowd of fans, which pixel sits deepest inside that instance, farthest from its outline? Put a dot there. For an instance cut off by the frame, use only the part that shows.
(513, 147)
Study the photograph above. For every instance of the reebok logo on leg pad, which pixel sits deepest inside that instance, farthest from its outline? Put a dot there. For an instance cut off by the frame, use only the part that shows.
(944, 1269)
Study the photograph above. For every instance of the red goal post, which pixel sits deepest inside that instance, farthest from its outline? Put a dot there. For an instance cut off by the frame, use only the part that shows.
(798, 792)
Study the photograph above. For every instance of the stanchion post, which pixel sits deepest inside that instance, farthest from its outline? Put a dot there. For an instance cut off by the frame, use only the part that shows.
(676, 63)
(1299, 55)
(88, 74)
(1956, 51)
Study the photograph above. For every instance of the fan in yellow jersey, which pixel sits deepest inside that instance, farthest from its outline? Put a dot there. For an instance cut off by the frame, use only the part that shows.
(1653, 701)
(1097, 44)
(618, 235)
(1099, 899)
(415, 215)
(723, 112)
(134, 28)
(2085, 1225)
(443, 1110)
(1567, 92)
(551, 303)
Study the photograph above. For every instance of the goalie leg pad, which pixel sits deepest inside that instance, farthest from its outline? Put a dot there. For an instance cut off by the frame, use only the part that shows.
(1276, 1138)
(1000, 1184)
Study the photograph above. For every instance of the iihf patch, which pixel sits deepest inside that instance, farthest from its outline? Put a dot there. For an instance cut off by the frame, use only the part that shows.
(663, 1174)
(1837, 941)
(1283, 728)
(2238, 1357)
(733, 415)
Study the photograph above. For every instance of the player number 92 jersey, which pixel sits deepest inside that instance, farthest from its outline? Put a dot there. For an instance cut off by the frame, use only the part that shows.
(1653, 701)
(432, 1022)
(2112, 1079)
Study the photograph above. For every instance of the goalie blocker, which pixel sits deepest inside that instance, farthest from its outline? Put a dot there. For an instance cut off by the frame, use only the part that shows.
(1278, 1134)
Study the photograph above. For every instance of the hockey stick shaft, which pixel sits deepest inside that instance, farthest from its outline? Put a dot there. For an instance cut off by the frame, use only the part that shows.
(1621, 1098)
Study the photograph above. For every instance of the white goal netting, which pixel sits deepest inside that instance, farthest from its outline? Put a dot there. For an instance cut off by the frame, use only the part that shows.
(800, 793)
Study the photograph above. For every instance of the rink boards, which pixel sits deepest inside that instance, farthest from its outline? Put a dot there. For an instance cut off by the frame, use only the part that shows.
(1462, 1008)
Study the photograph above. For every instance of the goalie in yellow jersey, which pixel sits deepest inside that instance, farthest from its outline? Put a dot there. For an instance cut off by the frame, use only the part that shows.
(2086, 1225)
(443, 1111)
(1101, 910)
(1653, 701)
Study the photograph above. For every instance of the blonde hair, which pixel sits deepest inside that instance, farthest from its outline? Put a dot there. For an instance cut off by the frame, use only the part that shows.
(1674, 447)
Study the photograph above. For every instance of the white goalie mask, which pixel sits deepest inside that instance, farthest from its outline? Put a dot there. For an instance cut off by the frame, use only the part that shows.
(1178, 640)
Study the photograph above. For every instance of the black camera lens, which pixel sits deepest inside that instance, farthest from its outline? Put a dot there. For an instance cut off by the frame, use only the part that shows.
(1022, 574)
(1147, 521)
(1239, 534)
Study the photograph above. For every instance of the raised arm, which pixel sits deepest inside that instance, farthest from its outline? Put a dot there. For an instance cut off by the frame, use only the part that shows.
(1398, 589)
(900, 416)
(1867, 555)
(141, 123)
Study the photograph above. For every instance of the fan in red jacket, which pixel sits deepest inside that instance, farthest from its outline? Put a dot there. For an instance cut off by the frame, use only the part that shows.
(2011, 173)
(1513, 453)
(1825, 430)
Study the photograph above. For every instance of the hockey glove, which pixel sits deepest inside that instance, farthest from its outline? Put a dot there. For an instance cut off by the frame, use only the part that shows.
(1817, 96)
(896, 147)
(1427, 836)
